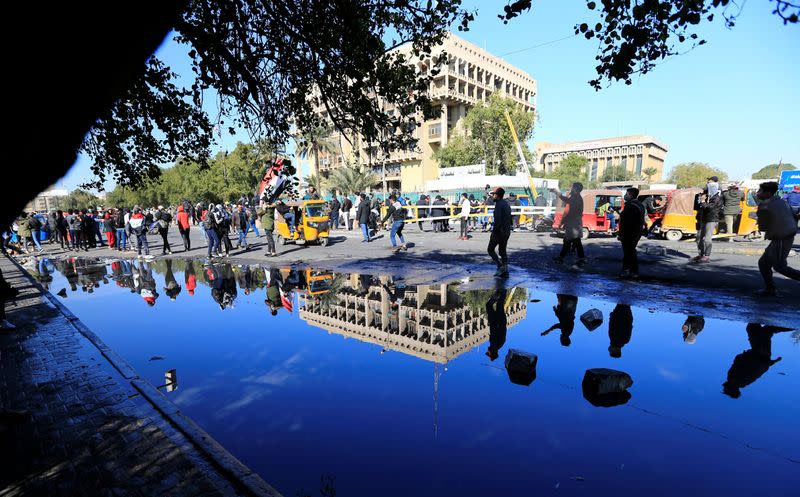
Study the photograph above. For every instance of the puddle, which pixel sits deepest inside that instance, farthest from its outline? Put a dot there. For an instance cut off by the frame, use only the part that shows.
(376, 386)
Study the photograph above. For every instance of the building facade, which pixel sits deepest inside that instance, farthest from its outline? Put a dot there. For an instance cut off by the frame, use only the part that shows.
(470, 76)
(430, 322)
(635, 153)
(49, 200)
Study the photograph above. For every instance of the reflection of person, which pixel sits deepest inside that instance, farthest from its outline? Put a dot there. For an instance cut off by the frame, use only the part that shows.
(565, 312)
(751, 364)
(273, 300)
(171, 286)
(620, 328)
(145, 284)
(496, 315)
(190, 278)
(691, 328)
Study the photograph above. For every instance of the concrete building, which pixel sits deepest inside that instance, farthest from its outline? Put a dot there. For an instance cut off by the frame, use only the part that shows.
(470, 75)
(48, 200)
(635, 153)
(430, 322)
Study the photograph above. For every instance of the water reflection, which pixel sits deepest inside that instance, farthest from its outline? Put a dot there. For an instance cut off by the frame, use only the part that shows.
(751, 364)
(620, 329)
(565, 313)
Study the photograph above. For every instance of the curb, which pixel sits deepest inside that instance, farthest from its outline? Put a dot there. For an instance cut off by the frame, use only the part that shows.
(235, 471)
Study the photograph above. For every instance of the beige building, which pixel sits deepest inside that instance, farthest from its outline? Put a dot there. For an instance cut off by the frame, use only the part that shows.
(49, 200)
(470, 76)
(431, 322)
(635, 153)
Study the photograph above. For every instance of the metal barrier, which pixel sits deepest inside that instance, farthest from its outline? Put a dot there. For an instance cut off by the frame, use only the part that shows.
(482, 211)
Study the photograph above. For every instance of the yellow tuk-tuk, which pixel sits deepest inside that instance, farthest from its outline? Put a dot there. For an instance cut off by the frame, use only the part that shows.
(680, 218)
(311, 222)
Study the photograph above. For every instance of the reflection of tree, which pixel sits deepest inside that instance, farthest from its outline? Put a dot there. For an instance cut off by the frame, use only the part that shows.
(477, 299)
(796, 337)
(331, 297)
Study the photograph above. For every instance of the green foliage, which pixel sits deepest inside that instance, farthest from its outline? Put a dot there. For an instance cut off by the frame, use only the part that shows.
(459, 151)
(151, 124)
(226, 177)
(771, 171)
(318, 182)
(694, 174)
(617, 173)
(81, 199)
(634, 36)
(488, 137)
(649, 172)
(571, 169)
(351, 177)
(315, 141)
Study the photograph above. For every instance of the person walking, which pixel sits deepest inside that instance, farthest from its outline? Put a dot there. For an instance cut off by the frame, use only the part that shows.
(422, 210)
(709, 210)
(793, 199)
(731, 206)
(397, 213)
(362, 217)
(26, 227)
(501, 231)
(631, 227)
(138, 227)
(223, 221)
(109, 229)
(88, 228)
(252, 217)
(242, 223)
(777, 221)
(61, 229)
(572, 224)
(119, 225)
(183, 227)
(266, 213)
(210, 227)
(335, 206)
(347, 205)
(163, 218)
(463, 215)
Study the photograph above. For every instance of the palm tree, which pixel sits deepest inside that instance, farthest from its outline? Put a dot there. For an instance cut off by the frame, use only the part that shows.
(649, 172)
(315, 141)
(351, 177)
(316, 181)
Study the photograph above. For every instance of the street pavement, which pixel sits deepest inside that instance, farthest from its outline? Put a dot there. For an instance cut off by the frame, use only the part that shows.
(92, 426)
(722, 288)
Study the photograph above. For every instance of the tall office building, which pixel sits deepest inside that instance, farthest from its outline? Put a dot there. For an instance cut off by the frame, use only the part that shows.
(471, 75)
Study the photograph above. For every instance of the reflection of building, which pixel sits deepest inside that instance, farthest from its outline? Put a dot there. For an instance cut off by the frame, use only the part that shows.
(469, 76)
(429, 322)
(634, 153)
(49, 200)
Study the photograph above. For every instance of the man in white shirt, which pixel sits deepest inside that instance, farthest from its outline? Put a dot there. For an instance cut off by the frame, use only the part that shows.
(464, 215)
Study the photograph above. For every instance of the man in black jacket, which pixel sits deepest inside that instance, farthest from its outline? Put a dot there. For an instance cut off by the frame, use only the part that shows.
(362, 217)
(631, 227)
(334, 215)
(709, 210)
(501, 231)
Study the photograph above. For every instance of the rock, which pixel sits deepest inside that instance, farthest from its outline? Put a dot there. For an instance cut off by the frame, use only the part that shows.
(521, 366)
(62, 292)
(606, 387)
(592, 319)
(156, 358)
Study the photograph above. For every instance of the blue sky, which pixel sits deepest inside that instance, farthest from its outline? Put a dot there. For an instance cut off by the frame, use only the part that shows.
(732, 103)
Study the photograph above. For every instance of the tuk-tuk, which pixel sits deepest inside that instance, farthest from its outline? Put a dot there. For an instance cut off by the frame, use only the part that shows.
(594, 221)
(680, 218)
(312, 224)
(654, 219)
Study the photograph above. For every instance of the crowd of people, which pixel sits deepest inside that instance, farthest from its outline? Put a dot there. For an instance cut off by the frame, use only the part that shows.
(127, 229)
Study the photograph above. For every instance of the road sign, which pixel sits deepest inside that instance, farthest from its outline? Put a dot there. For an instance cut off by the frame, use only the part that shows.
(789, 179)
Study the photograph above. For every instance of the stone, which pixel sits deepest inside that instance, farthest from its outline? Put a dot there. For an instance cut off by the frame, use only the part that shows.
(592, 319)
(604, 387)
(62, 293)
(521, 366)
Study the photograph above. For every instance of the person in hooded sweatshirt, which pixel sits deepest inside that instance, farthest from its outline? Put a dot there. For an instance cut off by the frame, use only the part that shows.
(137, 226)
(777, 221)
(709, 207)
(183, 227)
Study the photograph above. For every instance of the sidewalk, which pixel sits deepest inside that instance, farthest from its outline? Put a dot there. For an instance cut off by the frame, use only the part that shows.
(93, 426)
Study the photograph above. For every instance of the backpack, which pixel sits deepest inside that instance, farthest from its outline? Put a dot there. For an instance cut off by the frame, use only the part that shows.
(208, 223)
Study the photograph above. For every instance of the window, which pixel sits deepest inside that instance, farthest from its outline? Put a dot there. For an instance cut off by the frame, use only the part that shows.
(593, 176)
(624, 163)
(639, 164)
(608, 162)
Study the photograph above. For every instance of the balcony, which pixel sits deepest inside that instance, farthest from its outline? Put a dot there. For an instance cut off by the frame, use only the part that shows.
(434, 132)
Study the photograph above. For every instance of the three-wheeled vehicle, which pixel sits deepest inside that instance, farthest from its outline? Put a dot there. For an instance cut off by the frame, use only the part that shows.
(594, 221)
(680, 218)
(311, 222)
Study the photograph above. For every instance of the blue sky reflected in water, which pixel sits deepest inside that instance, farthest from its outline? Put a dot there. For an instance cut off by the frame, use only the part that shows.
(294, 401)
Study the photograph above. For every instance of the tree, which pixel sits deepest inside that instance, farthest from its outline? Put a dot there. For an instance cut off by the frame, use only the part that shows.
(649, 172)
(488, 138)
(317, 182)
(352, 177)
(459, 151)
(694, 174)
(272, 63)
(617, 173)
(771, 171)
(315, 141)
(81, 199)
(571, 169)
(634, 36)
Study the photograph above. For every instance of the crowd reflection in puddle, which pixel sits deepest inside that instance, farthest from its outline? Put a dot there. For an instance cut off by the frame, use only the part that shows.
(433, 322)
